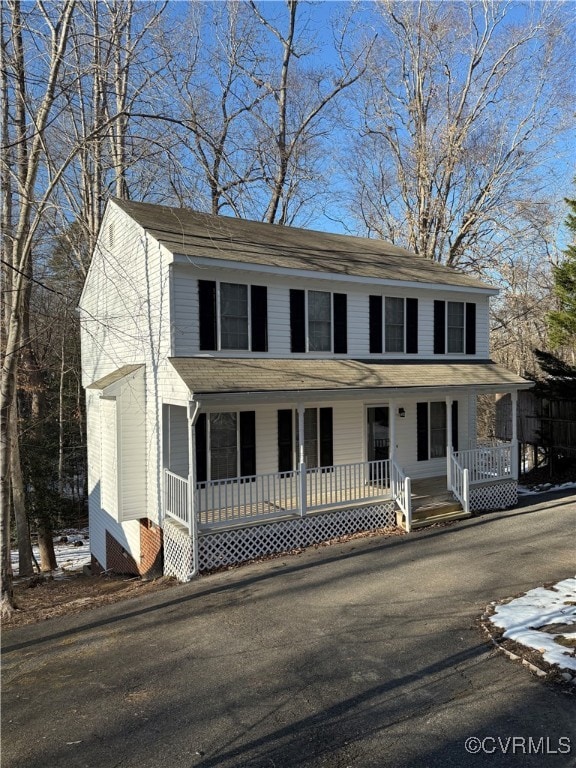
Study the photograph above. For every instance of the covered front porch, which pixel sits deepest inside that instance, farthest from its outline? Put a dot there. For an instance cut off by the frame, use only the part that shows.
(482, 472)
(236, 460)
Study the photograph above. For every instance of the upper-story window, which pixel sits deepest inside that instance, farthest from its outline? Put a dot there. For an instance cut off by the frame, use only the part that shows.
(454, 328)
(318, 321)
(232, 316)
(393, 324)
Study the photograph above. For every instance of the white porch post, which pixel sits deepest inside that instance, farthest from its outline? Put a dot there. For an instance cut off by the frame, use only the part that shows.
(192, 412)
(514, 445)
(392, 451)
(301, 464)
(449, 442)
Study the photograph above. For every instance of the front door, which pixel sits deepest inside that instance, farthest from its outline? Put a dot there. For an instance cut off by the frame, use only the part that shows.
(378, 435)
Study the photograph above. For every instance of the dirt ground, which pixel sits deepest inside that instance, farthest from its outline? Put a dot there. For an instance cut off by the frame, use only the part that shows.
(44, 597)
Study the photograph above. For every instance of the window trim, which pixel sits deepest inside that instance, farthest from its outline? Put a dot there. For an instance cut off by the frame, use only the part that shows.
(307, 322)
(210, 316)
(470, 328)
(208, 446)
(377, 325)
(447, 328)
(385, 326)
(219, 347)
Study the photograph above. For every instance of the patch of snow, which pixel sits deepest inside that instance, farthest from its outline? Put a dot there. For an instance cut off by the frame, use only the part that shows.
(544, 488)
(523, 618)
(71, 555)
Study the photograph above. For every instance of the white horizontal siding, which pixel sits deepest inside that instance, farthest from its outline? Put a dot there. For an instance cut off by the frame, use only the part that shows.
(185, 330)
(100, 518)
(350, 434)
(95, 515)
(109, 460)
(132, 448)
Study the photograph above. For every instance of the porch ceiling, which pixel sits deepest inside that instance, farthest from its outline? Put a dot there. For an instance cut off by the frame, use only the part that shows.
(210, 378)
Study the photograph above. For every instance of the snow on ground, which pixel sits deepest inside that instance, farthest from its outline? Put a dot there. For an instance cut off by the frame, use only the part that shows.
(544, 488)
(71, 555)
(531, 619)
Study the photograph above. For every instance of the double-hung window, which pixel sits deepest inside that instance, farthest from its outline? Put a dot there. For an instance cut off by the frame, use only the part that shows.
(393, 324)
(454, 328)
(318, 321)
(232, 316)
(225, 445)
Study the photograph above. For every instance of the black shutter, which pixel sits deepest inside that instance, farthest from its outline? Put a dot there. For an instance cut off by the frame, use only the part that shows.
(259, 319)
(207, 313)
(376, 324)
(340, 323)
(201, 448)
(297, 321)
(412, 326)
(470, 329)
(285, 450)
(455, 425)
(326, 438)
(439, 327)
(422, 431)
(247, 443)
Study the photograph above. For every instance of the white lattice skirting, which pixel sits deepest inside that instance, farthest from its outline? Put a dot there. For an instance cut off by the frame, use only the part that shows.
(178, 551)
(235, 546)
(491, 497)
(221, 548)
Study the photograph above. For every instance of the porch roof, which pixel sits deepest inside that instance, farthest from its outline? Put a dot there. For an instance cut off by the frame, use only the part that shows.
(211, 377)
(117, 375)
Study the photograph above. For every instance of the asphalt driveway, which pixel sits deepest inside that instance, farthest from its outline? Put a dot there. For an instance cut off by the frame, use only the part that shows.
(360, 654)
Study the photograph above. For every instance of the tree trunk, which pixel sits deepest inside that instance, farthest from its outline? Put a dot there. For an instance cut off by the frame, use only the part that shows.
(46, 546)
(25, 566)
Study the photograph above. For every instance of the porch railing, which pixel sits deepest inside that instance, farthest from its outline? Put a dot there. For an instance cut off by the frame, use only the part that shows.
(460, 482)
(176, 496)
(486, 464)
(402, 492)
(363, 481)
(228, 501)
(225, 502)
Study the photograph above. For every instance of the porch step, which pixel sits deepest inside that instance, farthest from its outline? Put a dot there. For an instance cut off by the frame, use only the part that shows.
(440, 516)
(436, 507)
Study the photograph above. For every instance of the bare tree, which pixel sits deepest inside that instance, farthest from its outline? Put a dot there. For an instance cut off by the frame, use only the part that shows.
(460, 115)
(27, 208)
(297, 120)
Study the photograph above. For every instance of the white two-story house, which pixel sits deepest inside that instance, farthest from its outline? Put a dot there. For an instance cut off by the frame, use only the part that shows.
(254, 388)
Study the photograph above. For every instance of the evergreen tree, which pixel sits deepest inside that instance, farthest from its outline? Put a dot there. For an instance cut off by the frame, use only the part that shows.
(562, 322)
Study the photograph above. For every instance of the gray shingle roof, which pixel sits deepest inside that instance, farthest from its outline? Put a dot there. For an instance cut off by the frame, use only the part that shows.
(205, 375)
(112, 378)
(195, 234)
